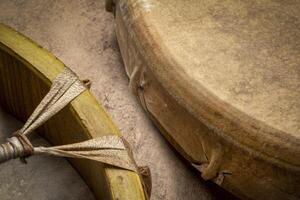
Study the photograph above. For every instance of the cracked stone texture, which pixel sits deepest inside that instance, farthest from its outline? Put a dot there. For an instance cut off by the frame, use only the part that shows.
(81, 34)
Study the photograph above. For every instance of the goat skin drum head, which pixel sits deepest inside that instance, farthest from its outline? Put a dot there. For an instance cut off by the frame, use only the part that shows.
(221, 81)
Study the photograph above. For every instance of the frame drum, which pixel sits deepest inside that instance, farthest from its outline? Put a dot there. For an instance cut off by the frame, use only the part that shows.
(220, 79)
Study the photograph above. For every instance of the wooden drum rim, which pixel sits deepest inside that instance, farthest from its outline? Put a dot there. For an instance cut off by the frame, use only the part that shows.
(117, 183)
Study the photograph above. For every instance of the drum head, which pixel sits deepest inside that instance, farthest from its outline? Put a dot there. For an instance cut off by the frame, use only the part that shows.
(241, 55)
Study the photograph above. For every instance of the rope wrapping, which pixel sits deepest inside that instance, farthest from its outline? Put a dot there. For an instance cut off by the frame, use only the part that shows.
(17, 146)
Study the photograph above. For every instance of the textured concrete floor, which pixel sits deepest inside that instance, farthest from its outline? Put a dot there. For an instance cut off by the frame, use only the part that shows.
(81, 34)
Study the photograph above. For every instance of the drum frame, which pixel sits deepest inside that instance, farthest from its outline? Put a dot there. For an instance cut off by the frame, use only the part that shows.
(26, 72)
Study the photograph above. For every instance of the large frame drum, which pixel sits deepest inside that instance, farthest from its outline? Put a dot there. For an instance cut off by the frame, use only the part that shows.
(221, 81)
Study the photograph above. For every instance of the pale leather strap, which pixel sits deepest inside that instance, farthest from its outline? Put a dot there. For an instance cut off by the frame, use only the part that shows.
(66, 86)
(107, 149)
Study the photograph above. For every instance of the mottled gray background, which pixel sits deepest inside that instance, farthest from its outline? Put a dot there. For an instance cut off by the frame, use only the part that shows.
(81, 34)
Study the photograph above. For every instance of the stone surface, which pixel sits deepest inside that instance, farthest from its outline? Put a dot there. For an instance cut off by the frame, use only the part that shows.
(81, 34)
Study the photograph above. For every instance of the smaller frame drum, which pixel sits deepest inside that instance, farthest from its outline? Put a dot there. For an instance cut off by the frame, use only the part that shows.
(26, 74)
